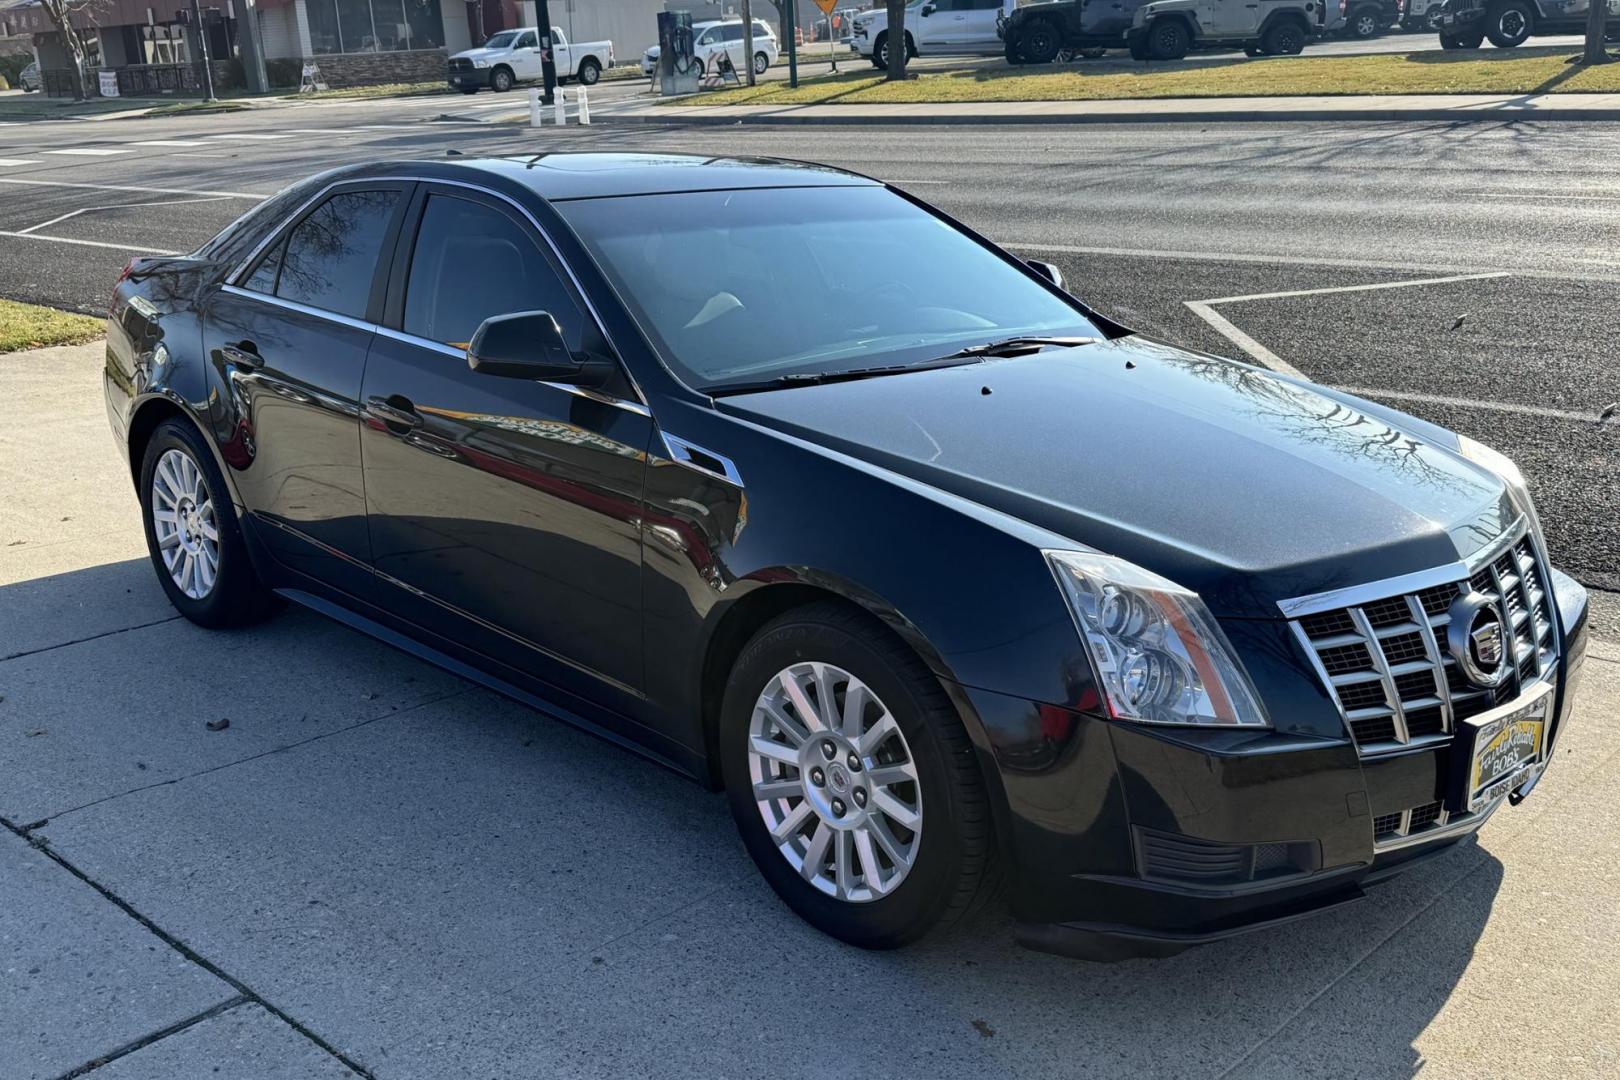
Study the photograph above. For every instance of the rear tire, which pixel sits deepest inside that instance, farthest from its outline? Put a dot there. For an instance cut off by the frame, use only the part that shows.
(1509, 24)
(589, 72)
(1364, 24)
(192, 533)
(946, 863)
(762, 63)
(1285, 38)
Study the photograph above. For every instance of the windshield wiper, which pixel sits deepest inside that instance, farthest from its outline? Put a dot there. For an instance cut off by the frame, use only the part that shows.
(819, 378)
(1009, 346)
(1020, 343)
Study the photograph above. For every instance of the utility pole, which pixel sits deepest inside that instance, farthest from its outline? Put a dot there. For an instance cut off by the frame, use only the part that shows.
(793, 43)
(748, 38)
(548, 63)
(202, 47)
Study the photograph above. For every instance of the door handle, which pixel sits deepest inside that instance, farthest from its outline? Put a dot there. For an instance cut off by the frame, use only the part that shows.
(243, 355)
(395, 411)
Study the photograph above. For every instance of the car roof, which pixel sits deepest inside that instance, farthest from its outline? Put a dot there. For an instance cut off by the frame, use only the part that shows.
(594, 175)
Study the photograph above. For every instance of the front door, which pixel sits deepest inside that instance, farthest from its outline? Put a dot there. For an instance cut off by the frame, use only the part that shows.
(505, 513)
(290, 342)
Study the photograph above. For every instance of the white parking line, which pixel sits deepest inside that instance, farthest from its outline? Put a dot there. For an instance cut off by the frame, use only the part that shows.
(87, 243)
(1205, 310)
(10, 162)
(128, 187)
(253, 136)
(171, 142)
(1510, 195)
(1471, 403)
(89, 151)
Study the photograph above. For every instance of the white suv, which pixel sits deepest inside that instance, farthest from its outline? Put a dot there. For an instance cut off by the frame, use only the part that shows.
(933, 26)
(710, 39)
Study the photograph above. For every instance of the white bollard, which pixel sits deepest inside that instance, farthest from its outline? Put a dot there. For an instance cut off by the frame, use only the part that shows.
(534, 108)
(560, 109)
(584, 107)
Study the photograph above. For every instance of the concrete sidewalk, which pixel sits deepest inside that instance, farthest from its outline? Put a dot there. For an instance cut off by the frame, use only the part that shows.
(1425, 107)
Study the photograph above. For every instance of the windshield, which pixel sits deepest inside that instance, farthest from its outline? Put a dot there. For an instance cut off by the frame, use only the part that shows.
(502, 40)
(739, 286)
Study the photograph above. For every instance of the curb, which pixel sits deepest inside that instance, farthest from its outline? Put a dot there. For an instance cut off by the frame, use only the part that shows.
(1471, 116)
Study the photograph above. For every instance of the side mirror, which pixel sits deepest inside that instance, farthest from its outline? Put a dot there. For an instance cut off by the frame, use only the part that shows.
(927, 9)
(1047, 271)
(530, 345)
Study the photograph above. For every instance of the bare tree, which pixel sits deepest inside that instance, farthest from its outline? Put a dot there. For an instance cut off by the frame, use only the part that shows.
(748, 38)
(61, 14)
(897, 40)
(1596, 17)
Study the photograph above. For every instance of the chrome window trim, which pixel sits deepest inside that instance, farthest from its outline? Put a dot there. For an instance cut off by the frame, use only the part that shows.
(567, 388)
(680, 452)
(306, 309)
(232, 279)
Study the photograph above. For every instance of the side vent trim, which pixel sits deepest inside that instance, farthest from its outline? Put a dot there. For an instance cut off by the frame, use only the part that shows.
(702, 460)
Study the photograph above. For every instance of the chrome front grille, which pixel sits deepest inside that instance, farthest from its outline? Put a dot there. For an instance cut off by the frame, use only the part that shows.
(1381, 651)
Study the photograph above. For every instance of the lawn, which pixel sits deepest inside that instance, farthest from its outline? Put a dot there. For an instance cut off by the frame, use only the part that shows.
(1519, 71)
(28, 326)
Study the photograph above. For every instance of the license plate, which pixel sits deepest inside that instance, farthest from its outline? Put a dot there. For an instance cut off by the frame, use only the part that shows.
(1508, 747)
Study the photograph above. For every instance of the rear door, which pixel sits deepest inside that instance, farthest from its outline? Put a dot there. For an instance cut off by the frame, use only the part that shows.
(504, 513)
(979, 24)
(289, 339)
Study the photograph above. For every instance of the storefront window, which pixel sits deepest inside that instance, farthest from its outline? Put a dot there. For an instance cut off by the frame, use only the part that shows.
(351, 26)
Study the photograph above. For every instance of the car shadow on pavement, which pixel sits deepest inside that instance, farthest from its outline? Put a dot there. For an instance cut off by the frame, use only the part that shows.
(439, 882)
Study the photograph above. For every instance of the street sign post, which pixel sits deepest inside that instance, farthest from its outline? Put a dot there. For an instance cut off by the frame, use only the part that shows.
(827, 7)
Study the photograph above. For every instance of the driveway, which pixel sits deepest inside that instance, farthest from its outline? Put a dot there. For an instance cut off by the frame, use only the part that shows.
(379, 869)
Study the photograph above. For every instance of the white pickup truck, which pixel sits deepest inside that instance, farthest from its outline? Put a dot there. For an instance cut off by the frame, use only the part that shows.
(514, 56)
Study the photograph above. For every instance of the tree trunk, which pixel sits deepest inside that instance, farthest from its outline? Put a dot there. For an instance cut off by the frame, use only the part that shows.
(748, 38)
(1595, 18)
(897, 39)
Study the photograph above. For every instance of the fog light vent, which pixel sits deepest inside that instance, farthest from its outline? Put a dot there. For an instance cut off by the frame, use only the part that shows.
(1171, 857)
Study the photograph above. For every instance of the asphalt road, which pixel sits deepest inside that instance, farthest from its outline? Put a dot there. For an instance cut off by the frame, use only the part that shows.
(380, 869)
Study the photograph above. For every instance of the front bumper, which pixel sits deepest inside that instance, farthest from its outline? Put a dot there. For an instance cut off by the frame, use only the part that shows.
(458, 80)
(1130, 841)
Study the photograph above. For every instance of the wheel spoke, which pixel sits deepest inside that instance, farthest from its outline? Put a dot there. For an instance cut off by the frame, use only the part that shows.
(869, 860)
(209, 531)
(856, 696)
(843, 862)
(886, 841)
(164, 517)
(766, 790)
(884, 800)
(877, 733)
(787, 725)
(827, 696)
(816, 854)
(790, 824)
(775, 751)
(808, 716)
(882, 776)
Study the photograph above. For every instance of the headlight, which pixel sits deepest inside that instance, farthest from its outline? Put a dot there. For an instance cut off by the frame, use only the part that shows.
(1159, 655)
(480, 63)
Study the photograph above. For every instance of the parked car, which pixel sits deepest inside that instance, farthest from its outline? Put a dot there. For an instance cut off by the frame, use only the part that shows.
(515, 56)
(933, 27)
(1167, 29)
(1043, 32)
(1365, 19)
(710, 39)
(29, 79)
(1420, 14)
(1466, 24)
(1177, 646)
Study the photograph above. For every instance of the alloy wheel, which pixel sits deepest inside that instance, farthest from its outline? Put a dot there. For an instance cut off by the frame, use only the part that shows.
(184, 523)
(835, 782)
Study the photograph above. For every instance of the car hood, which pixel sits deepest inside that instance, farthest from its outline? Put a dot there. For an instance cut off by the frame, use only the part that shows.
(1244, 486)
(481, 54)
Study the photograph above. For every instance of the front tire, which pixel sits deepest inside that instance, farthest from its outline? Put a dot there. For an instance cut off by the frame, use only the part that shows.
(1040, 42)
(192, 534)
(1509, 24)
(888, 836)
(1461, 41)
(1168, 39)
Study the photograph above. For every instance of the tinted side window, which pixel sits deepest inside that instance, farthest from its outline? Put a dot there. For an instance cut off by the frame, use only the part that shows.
(733, 32)
(263, 279)
(470, 262)
(525, 41)
(331, 256)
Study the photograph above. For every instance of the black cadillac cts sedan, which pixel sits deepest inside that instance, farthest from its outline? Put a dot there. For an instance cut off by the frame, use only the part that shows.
(786, 480)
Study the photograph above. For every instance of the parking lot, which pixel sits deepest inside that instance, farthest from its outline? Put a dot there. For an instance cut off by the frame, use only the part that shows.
(379, 869)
